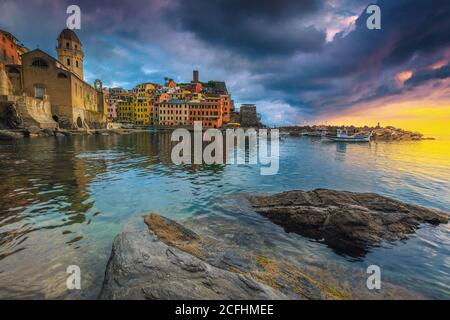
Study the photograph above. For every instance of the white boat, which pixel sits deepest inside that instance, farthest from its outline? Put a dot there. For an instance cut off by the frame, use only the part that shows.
(342, 136)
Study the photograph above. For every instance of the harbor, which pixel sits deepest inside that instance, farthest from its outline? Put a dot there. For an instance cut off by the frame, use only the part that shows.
(65, 199)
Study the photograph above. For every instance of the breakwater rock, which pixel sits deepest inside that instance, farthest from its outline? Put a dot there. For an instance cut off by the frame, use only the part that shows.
(160, 262)
(378, 133)
(395, 134)
(348, 222)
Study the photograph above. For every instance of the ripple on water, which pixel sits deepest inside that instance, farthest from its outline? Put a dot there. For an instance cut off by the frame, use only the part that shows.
(62, 203)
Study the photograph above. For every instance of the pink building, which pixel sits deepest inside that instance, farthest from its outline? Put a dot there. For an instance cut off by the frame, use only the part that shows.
(112, 102)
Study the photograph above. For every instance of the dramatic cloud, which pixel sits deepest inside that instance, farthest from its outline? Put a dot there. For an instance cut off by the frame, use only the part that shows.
(298, 60)
(252, 27)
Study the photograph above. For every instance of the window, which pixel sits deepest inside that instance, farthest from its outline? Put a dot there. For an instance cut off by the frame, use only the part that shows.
(76, 63)
(40, 63)
(39, 91)
(13, 70)
(62, 75)
(68, 62)
(67, 45)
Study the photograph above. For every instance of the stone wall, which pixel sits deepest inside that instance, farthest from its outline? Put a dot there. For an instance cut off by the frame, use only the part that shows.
(94, 120)
(21, 110)
(5, 84)
(35, 112)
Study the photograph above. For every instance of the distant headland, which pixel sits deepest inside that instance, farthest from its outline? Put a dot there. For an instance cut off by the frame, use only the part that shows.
(379, 133)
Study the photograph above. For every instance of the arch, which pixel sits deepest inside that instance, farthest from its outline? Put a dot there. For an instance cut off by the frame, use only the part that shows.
(62, 75)
(40, 63)
(79, 122)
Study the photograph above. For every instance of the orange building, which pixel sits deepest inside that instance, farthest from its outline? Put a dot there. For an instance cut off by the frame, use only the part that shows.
(171, 84)
(209, 112)
(224, 101)
(226, 107)
(10, 49)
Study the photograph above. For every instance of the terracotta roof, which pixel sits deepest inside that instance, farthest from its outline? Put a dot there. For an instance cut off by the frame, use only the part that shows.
(69, 35)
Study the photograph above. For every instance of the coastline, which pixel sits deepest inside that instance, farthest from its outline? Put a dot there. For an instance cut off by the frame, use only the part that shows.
(195, 258)
(378, 134)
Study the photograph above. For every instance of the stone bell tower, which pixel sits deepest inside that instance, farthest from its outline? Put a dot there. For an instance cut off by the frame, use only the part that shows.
(70, 53)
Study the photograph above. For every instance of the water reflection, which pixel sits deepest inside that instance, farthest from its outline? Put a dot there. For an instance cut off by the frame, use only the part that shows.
(63, 200)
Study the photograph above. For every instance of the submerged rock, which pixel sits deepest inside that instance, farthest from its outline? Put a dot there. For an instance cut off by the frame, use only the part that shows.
(10, 135)
(149, 263)
(32, 130)
(49, 132)
(348, 222)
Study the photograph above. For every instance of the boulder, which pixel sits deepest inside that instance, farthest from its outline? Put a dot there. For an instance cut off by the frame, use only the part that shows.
(32, 131)
(9, 135)
(48, 132)
(63, 132)
(159, 265)
(13, 118)
(348, 222)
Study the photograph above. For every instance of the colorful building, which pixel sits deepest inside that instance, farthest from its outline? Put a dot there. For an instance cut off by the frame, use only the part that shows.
(174, 105)
(10, 49)
(209, 112)
(134, 109)
(173, 113)
(145, 89)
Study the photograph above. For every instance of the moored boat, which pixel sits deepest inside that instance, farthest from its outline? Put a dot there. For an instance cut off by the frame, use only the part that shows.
(342, 136)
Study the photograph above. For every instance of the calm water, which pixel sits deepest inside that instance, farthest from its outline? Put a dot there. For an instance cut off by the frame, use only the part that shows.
(63, 200)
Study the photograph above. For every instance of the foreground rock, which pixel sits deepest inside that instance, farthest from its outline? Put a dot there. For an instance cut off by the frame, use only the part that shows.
(346, 221)
(10, 135)
(150, 265)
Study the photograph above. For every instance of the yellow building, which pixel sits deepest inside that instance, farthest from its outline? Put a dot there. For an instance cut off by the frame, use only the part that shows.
(145, 89)
(134, 109)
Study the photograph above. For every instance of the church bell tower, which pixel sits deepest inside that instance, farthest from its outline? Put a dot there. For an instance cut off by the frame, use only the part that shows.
(70, 52)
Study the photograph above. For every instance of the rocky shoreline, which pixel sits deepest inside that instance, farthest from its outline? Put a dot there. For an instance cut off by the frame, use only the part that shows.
(378, 133)
(157, 258)
(34, 131)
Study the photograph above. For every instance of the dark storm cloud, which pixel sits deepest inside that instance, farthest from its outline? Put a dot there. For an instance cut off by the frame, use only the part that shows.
(251, 27)
(266, 50)
(360, 66)
(427, 75)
